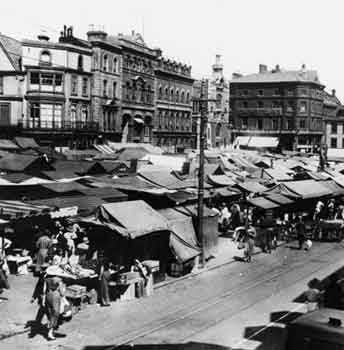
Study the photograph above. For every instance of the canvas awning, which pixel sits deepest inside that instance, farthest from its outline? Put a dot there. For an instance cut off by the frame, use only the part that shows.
(262, 203)
(107, 193)
(226, 192)
(251, 186)
(220, 180)
(8, 145)
(139, 120)
(333, 187)
(263, 142)
(21, 209)
(164, 179)
(26, 142)
(135, 218)
(279, 199)
(183, 241)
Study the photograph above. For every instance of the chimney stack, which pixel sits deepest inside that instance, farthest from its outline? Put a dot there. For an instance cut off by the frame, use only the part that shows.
(333, 92)
(303, 67)
(236, 75)
(263, 68)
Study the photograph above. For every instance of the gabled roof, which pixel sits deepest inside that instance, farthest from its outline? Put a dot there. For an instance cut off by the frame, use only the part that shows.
(13, 50)
(296, 76)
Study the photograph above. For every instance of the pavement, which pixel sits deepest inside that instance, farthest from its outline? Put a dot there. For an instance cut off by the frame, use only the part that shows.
(227, 305)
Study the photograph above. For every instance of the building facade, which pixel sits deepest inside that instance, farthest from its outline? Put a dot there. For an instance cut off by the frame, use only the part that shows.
(57, 92)
(106, 89)
(11, 86)
(173, 114)
(334, 120)
(216, 91)
(284, 104)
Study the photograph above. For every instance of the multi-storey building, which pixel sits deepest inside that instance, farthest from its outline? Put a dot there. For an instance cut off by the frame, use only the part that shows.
(106, 87)
(216, 90)
(57, 94)
(173, 117)
(284, 104)
(11, 86)
(334, 121)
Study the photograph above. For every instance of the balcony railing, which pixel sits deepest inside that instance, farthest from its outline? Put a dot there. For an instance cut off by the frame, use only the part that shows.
(36, 124)
(273, 111)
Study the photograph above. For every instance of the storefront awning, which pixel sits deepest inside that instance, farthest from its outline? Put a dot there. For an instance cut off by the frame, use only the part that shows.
(138, 120)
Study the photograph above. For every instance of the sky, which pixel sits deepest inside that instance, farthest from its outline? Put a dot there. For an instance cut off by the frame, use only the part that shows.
(245, 33)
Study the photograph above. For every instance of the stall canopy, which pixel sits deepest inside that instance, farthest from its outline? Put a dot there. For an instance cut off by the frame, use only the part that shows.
(274, 174)
(15, 209)
(333, 187)
(251, 187)
(26, 142)
(183, 241)
(305, 189)
(64, 187)
(23, 163)
(220, 180)
(164, 179)
(79, 167)
(108, 194)
(279, 199)
(242, 140)
(263, 142)
(8, 145)
(133, 219)
(262, 203)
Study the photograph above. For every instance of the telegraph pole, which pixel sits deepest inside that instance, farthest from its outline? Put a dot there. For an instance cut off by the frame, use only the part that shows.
(202, 138)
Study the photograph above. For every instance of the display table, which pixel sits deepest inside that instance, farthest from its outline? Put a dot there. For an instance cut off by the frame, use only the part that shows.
(127, 289)
(18, 264)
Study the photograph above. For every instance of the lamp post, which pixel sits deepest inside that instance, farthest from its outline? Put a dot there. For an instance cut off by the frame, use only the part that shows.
(202, 138)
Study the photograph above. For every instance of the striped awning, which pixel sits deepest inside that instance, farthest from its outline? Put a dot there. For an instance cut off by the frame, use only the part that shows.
(15, 209)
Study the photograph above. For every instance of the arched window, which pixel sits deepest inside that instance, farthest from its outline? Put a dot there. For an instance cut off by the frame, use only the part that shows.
(218, 130)
(80, 62)
(172, 95)
(160, 93)
(182, 97)
(187, 97)
(218, 101)
(115, 63)
(166, 93)
(177, 96)
(105, 63)
(45, 57)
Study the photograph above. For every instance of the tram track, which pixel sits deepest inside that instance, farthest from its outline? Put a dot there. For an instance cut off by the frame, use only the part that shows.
(185, 313)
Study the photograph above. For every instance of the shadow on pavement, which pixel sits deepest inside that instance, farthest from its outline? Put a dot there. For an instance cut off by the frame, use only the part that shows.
(184, 346)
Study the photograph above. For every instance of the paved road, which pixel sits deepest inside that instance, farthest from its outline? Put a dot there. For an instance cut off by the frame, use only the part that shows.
(226, 307)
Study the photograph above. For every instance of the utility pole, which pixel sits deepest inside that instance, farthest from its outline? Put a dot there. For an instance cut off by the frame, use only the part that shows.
(202, 138)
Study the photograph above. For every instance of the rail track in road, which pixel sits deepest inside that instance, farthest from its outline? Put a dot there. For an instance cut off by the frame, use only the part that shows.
(224, 301)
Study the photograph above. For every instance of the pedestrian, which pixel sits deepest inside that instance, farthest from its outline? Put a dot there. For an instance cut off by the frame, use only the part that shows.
(249, 250)
(318, 210)
(104, 279)
(300, 228)
(53, 306)
(4, 271)
(331, 209)
(313, 295)
(333, 293)
(43, 244)
(39, 294)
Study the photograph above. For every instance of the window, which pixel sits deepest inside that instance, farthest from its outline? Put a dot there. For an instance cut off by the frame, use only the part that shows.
(74, 87)
(47, 81)
(34, 79)
(290, 106)
(260, 93)
(73, 114)
(166, 93)
(45, 57)
(274, 124)
(80, 62)
(303, 92)
(84, 114)
(333, 128)
(218, 101)
(259, 124)
(114, 90)
(177, 96)
(172, 95)
(182, 97)
(244, 123)
(1, 85)
(5, 115)
(302, 124)
(218, 130)
(188, 97)
(277, 92)
(290, 92)
(84, 86)
(58, 83)
(303, 107)
(160, 93)
(104, 88)
(45, 115)
(105, 63)
(115, 63)
(289, 124)
(260, 104)
(333, 142)
(245, 104)
(245, 92)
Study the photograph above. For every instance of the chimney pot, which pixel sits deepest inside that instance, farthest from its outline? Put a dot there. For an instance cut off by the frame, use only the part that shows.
(333, 92)
(303, 67)
(263, 68)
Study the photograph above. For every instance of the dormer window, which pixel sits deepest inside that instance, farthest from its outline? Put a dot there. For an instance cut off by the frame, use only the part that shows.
(45, 57)
(80, 62)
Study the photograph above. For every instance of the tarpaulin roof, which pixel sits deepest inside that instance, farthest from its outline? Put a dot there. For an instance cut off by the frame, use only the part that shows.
(262, 202)
(263, 142)
(26, 142)
(16, 177)
(183, 241)
(220, 180)
(136, 218)
(333, 187)
(304, 189)
(180, 197)
(147, 146)
(106, 193)
(242, 140)
(163, 179)
(251, 186)
(227, 192)
(277, 174)
(78, 166)
(8, 145)
(114, 166)
(18, 162)
(19, 208)
(60, 174)
(192, 210)
(168, 162)
(278, 198)
(131, 153)
(62, 187)
(133, 183)
(86, 204)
